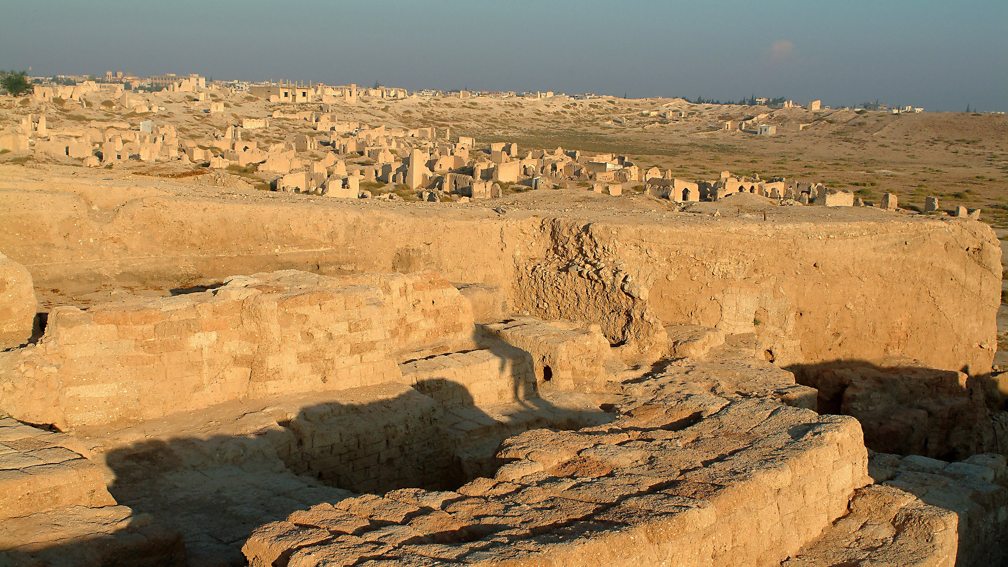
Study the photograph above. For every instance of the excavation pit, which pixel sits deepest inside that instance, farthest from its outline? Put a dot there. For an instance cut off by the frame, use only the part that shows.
(294, 417)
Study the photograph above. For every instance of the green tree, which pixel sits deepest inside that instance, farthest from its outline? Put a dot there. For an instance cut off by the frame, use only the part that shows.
(15, 82)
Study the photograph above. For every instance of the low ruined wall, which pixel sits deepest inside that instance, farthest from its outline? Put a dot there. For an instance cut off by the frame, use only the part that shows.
(427, 314)
(858, 285)
(885, 526)
(907, 409)
(921, 512)
(479, 377)
(749, 484)
(254, 338)
(374, 441)
(564, 356)
(17, 304)
(974, 492)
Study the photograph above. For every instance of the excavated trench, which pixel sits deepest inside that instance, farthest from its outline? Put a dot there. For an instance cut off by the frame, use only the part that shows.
(425, 438)
(905, 407)
(909, 410)
(215, 491)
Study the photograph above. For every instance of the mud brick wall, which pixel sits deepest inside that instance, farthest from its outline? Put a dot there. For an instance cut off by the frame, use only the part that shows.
(255, 337)
(478, 377)
(429, 316)
(377, 442)
(565, 356)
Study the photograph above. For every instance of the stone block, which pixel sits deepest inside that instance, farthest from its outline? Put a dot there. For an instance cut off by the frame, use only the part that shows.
(17, 304)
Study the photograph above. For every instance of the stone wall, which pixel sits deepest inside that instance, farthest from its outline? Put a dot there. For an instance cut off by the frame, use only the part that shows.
(479, 377)
(923, 512)
(973, 492)
(253, 338)
(374, 440)
(564, 356)
(885, 526)
(748, 484)
(429, 314)
(906, 408)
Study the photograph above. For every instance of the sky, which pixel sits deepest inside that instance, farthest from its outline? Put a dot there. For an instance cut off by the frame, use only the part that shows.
(941, 55)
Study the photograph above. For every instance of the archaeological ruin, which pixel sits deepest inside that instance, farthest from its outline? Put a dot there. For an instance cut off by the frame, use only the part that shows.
(243, 325)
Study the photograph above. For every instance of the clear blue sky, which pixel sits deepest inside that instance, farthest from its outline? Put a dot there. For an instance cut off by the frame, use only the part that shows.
(941, 55)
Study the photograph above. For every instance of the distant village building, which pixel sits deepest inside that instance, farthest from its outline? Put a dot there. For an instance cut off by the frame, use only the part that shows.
(284, 92)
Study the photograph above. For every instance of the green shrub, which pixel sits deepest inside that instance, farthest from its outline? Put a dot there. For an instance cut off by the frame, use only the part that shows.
(15, 82)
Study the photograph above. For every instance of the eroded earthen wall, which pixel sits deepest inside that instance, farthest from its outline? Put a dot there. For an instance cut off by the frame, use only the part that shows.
(841, 289)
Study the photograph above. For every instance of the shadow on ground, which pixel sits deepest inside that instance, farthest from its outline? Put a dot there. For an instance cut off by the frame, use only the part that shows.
(214, 491)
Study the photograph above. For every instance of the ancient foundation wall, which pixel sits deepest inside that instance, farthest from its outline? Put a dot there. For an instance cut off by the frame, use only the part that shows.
(256, 337)
(564, 355)
(374, 441)
(925, 288)
(479, 377)
(911, 410)
(921, 511)
(750, 484)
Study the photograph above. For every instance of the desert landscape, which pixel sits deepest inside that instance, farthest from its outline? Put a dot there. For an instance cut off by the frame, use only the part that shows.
(282, 323)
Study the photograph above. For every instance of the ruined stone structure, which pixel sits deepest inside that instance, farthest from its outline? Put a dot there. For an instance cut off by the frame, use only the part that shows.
(260, 327)
(522, 389)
